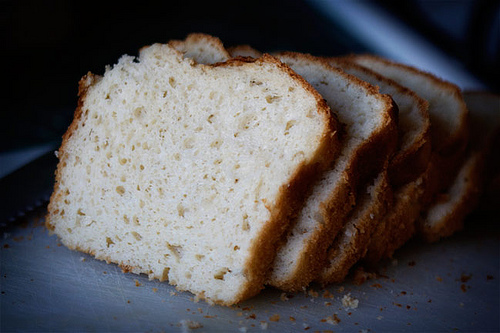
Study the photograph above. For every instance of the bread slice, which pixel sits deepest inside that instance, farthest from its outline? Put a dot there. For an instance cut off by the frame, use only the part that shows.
(449, 135)
(366, 233)
(370, 139)
(445, 216)
(188, 172)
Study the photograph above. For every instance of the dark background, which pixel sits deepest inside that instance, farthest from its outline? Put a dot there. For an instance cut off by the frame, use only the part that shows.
(47, 46)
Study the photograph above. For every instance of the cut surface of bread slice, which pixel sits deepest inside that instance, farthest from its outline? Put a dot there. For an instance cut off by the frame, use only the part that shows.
(445, 216)
(188, 172)
(370, 138)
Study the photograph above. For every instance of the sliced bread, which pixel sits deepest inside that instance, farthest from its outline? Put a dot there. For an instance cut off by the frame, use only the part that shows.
(366, 233)
(188, 172)
(447, 214)
(370, 139)
(202, 48)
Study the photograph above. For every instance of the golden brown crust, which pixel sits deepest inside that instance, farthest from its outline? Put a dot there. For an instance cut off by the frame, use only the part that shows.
(85, 83)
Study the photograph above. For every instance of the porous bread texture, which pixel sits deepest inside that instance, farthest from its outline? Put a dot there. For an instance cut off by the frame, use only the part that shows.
(351, 244)
(414, 144)
(188, 172)
(370, 138)
(447, 214)
(202, 48)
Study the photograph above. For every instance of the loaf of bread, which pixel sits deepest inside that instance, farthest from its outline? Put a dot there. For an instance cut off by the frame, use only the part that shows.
(188, 172)
(221, 170)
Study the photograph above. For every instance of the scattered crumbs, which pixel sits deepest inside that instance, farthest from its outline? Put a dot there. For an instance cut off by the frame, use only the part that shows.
(82, 259)
(303, 306)
(334, 319)
(412, 263)
(252, 316)
(6, 246)
(128, 301)
(263, 325)
(284, 297)
(292, 319)
(306, 326)
(155, 289)
(247, 308)
(340, 289)
(408, 307)
(429, 301)
(173, 293)
(328, 303)
(328, 294)
(397, 304)
(403, 293)
(59, 244)
(137, 283)
(209, 317)
(239, 314)
(464, 278)
(104, 272)
(489, 277)
(275, 318)
(200, 310)
(349, 302)
(377, 285)
(243, 329)
(463, 287)
(380, 318)
(187, 324)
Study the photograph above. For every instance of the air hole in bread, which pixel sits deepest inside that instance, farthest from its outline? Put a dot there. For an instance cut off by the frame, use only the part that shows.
(109, 242)
(120, 190)
(136, 235)
(221, 273)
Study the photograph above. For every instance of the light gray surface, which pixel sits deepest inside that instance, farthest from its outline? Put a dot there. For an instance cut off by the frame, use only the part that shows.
(447, 286)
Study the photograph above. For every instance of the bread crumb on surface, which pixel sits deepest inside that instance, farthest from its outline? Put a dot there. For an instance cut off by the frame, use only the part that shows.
(334, 319)
(187, 325)
(275, 317)
(348, 302)
(263, 325)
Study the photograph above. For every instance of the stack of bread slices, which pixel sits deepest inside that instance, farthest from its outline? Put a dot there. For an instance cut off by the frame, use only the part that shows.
(222, 170)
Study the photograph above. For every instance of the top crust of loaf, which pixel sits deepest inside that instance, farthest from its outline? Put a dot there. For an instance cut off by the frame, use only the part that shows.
(130, 187)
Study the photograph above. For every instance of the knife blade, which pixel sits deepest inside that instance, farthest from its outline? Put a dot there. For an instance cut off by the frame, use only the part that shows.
(27, 188)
